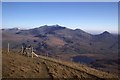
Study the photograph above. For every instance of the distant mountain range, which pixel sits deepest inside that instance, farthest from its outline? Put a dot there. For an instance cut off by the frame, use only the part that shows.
(57, 39)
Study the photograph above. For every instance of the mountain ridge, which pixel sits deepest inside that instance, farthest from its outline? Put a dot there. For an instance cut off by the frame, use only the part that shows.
(65, 35)
(46, 27)
(57, 41)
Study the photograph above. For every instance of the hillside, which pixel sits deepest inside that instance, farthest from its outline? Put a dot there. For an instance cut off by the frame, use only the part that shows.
(19, 66)
(58, 41)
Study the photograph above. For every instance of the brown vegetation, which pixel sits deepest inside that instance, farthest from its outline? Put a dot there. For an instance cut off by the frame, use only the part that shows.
(18, 66)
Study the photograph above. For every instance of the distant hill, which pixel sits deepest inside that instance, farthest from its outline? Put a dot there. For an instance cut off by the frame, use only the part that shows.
(57, 39)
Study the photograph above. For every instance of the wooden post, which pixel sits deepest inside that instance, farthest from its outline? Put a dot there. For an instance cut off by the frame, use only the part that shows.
(8, 47)
(22, 49)
(47, 54)
(32, 52)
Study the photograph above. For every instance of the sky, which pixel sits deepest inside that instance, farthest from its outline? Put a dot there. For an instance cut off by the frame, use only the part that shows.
(93, 17)
(60, 0)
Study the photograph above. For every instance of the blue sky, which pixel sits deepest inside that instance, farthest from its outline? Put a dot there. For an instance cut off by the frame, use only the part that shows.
(89, 16)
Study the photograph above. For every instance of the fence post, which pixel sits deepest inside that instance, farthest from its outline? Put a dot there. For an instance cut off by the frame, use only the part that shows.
(32, 52)
(22, 49)
(8, 47)
(47, 54)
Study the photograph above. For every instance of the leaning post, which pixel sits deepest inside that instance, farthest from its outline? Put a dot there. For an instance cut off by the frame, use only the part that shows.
(22, 49)
(32, 52)
(8, 48)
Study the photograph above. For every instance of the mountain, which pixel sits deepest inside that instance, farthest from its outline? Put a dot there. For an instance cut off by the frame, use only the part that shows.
(68, 44)
(61, 39)
(41, 30)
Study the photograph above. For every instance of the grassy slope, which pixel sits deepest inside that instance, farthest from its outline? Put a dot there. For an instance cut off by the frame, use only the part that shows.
(16, 65)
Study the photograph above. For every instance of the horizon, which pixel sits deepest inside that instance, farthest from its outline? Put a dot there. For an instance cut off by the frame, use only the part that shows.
(90, 32)
(93, 17)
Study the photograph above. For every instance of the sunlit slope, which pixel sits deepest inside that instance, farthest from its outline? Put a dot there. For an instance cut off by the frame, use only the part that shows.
(19, 66)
